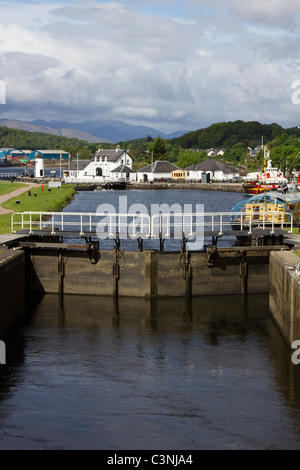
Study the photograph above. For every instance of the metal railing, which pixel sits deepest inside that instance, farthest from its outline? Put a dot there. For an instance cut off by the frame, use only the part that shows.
(297, 268)
(4, 176)
(162, 225)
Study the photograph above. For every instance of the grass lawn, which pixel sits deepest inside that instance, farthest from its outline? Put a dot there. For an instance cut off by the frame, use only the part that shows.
(7, 187)
(44, 201)
(296, 230)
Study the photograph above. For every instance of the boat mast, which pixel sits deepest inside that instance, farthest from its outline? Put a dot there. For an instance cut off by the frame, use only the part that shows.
(265, 175)
(265, 165)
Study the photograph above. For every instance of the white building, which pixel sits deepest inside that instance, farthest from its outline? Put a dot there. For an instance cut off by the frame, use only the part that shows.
(158, 170)
(216, 170)
(124, 173)
(107, 165)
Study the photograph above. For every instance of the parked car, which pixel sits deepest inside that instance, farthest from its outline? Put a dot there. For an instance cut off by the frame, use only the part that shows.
(237, 179)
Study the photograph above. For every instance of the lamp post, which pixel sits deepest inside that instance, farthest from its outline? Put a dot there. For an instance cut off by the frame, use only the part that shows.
(147, 151)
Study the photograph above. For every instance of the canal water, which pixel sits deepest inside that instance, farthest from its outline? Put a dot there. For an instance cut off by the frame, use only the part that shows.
(153, 202)
(214, 373)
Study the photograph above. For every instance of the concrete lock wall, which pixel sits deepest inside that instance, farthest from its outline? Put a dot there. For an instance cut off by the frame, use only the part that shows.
(149, 273)
(284, 294)
(12, 289)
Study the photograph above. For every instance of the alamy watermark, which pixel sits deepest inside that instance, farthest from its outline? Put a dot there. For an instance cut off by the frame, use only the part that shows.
(296, 94)
(2, 92)
(296, 354)
(158, 221)
(2, 352)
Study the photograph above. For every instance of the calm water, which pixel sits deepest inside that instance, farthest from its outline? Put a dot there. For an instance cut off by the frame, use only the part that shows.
(149, 376)
(180, 200)
(215, 374)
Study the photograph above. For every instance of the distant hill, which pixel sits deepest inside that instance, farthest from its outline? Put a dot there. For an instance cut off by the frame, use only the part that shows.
(47, 128)
(218, 135)
(226, 134)
(91, 131)
(21, 139)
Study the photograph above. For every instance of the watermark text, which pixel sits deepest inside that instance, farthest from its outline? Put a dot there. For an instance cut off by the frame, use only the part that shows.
(296, 94)
(296, 354)
(2, 92)
(158, 221)
(2, 352)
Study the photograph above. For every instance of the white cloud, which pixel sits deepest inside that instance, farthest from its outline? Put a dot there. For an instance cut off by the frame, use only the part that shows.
(96, 60)
(269, 12)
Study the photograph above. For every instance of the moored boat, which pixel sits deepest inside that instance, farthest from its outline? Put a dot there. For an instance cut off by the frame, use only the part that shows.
(269, 180)
(273, 207)
(254, 188)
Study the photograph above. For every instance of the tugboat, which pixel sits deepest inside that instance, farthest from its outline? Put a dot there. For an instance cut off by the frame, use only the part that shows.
(271, 179)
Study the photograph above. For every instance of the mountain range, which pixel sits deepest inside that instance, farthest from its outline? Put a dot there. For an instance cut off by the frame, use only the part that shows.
(90, 131)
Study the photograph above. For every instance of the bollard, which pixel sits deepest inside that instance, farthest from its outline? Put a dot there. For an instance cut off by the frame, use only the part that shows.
(17, 202)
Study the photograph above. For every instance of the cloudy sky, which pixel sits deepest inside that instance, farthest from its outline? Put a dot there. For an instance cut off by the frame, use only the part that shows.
(170, 64)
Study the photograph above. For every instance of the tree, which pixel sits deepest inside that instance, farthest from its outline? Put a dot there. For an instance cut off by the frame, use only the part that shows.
(238, 152)
(285, 157)
(188, 158)
(159, 149)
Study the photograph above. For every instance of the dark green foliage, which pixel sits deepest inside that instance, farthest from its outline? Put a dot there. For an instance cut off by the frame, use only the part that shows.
(19, 139)
(226, 134)
(159, 149)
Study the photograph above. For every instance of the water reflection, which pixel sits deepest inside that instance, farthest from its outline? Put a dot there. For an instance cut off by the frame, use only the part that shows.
(91, 373)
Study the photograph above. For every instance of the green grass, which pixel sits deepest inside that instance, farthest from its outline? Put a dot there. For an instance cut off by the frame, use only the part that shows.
(297, 252)
(5, 223)
(44, 201)
(7, 187)
(296, 230)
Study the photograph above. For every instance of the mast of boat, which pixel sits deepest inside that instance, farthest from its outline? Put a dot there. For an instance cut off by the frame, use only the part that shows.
(265, 165)
(265, 175)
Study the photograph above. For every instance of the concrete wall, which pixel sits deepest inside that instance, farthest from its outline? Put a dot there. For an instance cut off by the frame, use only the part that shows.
(228, 187)
(150, 273)
(284, 295)
(12, 288)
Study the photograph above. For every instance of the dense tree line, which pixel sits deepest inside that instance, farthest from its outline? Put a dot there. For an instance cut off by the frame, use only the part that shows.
(232, 137)
(226, 134)
(19, 139)
(285, 152)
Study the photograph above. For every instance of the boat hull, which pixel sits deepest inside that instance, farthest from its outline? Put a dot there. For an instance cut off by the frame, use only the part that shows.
(257, 188)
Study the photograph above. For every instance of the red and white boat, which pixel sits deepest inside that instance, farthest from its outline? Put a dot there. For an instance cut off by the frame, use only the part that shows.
(269, 180)
(295, 183)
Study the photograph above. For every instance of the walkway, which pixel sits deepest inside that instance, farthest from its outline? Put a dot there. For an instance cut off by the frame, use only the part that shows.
(15, 193)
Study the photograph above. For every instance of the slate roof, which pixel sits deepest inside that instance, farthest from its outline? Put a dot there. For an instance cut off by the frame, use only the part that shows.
(212, 165)
(159, 166)
(112, 155)
(82, 164)
(123, 169)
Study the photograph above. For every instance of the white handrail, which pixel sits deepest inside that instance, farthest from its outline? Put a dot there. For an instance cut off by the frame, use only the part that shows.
(162, 224)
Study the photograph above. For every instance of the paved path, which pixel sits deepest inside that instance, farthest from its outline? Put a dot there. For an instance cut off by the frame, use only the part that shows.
(14, 193)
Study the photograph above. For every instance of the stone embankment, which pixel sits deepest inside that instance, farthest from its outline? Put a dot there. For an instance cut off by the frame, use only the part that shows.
(284, 294)
(228, 187)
